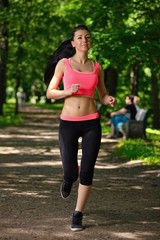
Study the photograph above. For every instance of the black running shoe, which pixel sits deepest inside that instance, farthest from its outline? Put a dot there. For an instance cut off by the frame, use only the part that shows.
(65, 189)
(77, 221)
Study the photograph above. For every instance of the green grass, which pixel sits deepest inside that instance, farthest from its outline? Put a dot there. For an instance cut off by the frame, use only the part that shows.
(148, 151)
(9, 118)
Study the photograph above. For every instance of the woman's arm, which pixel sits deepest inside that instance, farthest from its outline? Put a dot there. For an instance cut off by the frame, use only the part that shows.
(52, 91)
(103, 94)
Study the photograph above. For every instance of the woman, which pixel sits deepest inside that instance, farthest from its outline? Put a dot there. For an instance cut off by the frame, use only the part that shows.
(79, 117)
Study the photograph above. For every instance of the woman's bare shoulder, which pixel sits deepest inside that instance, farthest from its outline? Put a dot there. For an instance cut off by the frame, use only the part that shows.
(61, 65)
(61, 62)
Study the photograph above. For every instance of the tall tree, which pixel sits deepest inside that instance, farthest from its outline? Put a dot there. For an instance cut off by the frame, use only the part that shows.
(4, 4)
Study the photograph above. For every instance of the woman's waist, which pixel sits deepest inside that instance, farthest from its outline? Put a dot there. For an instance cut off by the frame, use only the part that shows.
(79, 118)
(78, 106)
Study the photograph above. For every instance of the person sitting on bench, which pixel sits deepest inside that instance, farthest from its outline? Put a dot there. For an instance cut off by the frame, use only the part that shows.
(122, 115)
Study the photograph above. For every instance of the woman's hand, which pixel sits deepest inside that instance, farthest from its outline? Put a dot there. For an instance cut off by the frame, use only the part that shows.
(111, 101)
(73, 89)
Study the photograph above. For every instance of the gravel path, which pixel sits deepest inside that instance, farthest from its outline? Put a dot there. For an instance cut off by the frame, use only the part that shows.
(124, 204)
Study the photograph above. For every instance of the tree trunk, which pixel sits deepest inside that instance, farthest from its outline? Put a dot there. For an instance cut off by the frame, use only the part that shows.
(134, 79)
(155, 101)
(110, 79)
(16, 96)
(3, 55)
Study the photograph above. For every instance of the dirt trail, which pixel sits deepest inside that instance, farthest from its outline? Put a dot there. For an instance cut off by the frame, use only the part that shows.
(124, 204)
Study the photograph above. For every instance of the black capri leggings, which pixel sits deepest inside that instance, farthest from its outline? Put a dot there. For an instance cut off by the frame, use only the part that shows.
(69, 133)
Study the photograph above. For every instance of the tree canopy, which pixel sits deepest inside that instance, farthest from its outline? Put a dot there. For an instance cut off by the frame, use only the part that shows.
(126, 41)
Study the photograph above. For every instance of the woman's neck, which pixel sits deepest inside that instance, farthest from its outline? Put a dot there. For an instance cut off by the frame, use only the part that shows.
(82, 59)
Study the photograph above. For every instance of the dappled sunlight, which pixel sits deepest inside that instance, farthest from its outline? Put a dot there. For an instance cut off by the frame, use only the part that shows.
(124, 204)
(39, 135)
(40, 232)
(107, 165)
(153, 208)
(8, 150)
(27, 193)
(29, 150)
(132, 236)
(42, 125)
(33, 164)
(137, 187)
(27, 130)
(35, 186)
(33, 194)
(117, 185)
(116, 165)
(150, 172)
(104, 140)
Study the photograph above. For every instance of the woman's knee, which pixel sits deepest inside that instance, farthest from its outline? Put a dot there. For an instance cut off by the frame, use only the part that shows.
(71, 176)
(86, 178)
(86, 181)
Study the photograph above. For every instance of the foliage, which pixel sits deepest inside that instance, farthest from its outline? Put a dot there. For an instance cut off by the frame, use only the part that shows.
(9, 118)
(140, 149)
(124, 33)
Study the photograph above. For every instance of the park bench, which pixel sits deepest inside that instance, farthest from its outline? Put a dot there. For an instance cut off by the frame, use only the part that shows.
(136, 128)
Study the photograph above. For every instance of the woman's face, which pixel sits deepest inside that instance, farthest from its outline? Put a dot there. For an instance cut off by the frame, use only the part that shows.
(82, 40)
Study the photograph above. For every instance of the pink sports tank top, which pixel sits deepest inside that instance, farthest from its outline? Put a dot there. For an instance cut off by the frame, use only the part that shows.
(87, 80)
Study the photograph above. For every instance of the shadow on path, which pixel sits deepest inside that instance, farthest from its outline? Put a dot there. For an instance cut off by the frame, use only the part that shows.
(124, 204)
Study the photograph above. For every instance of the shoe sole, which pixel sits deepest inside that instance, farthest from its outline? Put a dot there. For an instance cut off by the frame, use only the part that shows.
(77, 229)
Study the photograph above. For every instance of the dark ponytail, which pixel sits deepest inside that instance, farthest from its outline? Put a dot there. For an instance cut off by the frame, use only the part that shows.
(65, 50)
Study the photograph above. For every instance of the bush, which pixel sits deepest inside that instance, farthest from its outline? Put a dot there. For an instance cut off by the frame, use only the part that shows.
(139, 149)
